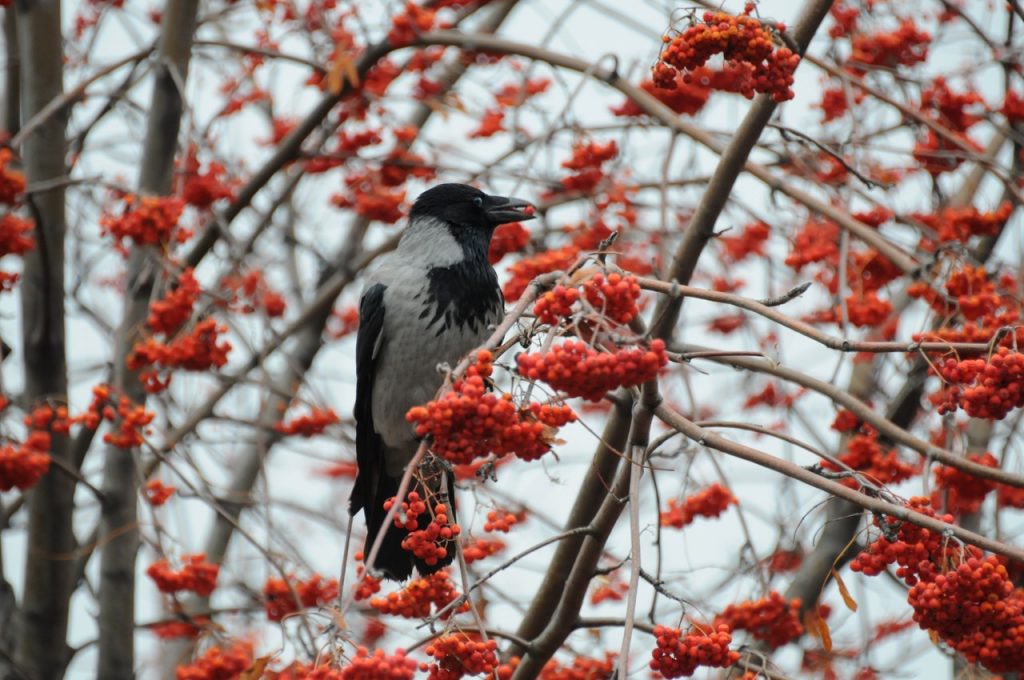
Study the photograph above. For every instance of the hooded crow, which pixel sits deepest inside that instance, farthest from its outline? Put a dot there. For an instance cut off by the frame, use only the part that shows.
(429, 302)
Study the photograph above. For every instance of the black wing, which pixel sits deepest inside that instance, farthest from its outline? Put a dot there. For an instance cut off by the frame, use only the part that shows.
(369, 453)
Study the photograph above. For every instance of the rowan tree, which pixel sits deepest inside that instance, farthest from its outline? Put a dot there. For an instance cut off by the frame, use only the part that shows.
(753, 411)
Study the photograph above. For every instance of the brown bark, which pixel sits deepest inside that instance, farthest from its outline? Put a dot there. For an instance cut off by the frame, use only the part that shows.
(119, 534)
(42, 622)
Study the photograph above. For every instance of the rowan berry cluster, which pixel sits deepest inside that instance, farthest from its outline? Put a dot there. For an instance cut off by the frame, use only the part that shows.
(746, 45)
(23, 465)
(967, 599)
(308, 424)
(865, 454)
(581, 668)
(614, 295)
(576, 368)
(961, 223)
(586, 164)
(218, 663)
(685, 98)
(988, 387)
(131, 422)
(12, 182)
(677, 655)
(784, 560)
(280, 601)
(817, 241)
(556, 304)
(749, 242)
(201, 349)
(459, 654)
(609, 590)
(962, 492)
(366, 586)
(15, 238)
(508, 238)
(378, 666)
(770, 619)
(430, 543)
(252, 292)
(420, 596)
(147, 221)
(523, 271)
(188, 630)
(469, 422)
(710, 501)
(411, 20)
(343, 322)
(168, 314)
(202, 188)
(950, 108)
(482, 548)
(905, 46)
(196, 574)
(157, 493)
(498, 520)
(1013, 107)
(866, 309)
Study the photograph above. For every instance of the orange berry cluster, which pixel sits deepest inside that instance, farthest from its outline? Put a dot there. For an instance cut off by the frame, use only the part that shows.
(201, 189)
(406, 24)
(610, 590)
(407, 516)
(1013, 107)
(961, 492)
(976, 296)
(576, 368)
(469, 422)
(15, 238)
(983, 387)
(961, 223)
(684, 96)
(866, 310)
(967, 599)
(420, 596)
(522, 272)
(614, 296)
(905, 46)
(147, 221)
(750, 241)
(430, 543)
(196, 575)
(817, 241)
(308, 424)
(482, 548)
(12, 182)
(23, 465)
(366, 586)
(556, 304)
(218, 663)
(586, 163)
(378, 666)
(582, 668)
(201, 349)
(498, 520)
(771, 619)
(746, 45)
(710, 501)
(157, 493)
(677, 655)
(459, 654)
(251, 292)
(865, 454)
(508, 238)
(313, 592)
(189, 630)
(168, 314)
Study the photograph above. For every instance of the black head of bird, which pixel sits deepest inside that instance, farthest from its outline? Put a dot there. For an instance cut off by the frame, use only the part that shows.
(464, 206)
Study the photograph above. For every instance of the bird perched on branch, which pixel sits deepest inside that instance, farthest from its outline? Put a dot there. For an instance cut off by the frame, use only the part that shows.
(430, 302)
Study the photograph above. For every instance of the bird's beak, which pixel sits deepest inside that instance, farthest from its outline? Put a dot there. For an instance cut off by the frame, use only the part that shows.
(503, 209)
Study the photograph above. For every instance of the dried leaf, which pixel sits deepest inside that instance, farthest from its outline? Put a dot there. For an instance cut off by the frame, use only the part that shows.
(818, 627)
(848, 600)
(256, 670)
(341, 68)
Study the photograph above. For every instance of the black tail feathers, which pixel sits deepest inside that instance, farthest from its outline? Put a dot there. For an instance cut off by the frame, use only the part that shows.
(392, 560)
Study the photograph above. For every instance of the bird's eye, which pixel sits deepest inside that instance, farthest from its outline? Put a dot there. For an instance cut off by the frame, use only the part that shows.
(478, 202)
